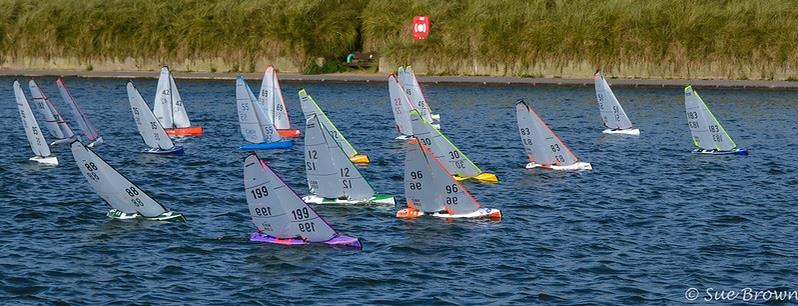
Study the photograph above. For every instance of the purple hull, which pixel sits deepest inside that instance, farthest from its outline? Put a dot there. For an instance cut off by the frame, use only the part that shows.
(337, 241)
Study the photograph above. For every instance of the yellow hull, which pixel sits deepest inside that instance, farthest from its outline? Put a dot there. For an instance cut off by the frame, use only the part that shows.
(483, 177)
(361, 159)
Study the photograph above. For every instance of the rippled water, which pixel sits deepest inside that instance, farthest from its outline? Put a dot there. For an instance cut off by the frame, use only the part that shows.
(650, 220)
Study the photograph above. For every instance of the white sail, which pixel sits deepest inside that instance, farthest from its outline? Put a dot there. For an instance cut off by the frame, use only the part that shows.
(112, 186)
(162, 109)
(276, 209)
(35, 137)
(707, 132)
(416, 95)
(541, 144)
(88, 128)
(310, 108)
(611, 111)
(256, 126)
(179, 114)
(418, 177)
(448, 191)
(400, 105)
(149, 128)
(271, 99)
(53, 121)
(320, 169)
(453, 159)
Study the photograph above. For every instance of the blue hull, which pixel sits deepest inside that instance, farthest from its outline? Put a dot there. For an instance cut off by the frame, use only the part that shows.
(285, 144)
(173, 151)
(739, 151)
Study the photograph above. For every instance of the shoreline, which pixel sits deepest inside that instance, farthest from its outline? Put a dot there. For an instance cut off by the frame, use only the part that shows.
(379, 77)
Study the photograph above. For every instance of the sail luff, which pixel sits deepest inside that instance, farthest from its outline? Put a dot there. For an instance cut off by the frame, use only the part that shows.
(148, 126)
(88, 128)
(34, 134)
(612, 113)
(162, 106)
(40, 100)
(179, 114)
(310, 108)
(400, 105)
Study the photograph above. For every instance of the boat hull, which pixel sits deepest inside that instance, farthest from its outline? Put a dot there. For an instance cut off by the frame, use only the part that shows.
(49, 160)
(436, 117)
(268, 145)
(578, 166)
(168, 216)
(483, 177)
(289, 133)
(63, 141)
(632, 132)
(172, 151)
(96, 142)
(402, 137)
(339, 240)
(481, 213)
(361, 159)
(738, 151)
(194, 131)
(379, 199)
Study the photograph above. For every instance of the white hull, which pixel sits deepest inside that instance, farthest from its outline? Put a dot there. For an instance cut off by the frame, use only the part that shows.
(436, 117)
(314, 199)
(402, 137)
(481, 213)
(574, 167)
(633, 132)
(167, 216)
(97, 141)
(437, 126)
(49, 160)
(62, 141)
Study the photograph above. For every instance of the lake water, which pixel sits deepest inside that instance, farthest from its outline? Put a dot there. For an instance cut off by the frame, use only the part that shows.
(648, 222)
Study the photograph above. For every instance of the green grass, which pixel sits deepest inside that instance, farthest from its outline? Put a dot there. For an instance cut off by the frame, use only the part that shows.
(672, 38)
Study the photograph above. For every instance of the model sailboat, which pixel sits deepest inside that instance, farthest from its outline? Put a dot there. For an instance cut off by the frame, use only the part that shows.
(332, 177)
(413, 90)
(401, 107)
(431, 190)
(310, 108)
(612, 113)
(53, 121)
(543, 147)
(708, 135)
(280, 215)
(256, 125)
(454, 160)
(271, 99)
(127, 200)
(169, 108)
(32, 131)
(89, 130)
(149, 128)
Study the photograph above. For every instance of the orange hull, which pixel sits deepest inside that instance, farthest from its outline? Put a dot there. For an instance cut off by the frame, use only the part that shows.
(289, 133)
(195, 131)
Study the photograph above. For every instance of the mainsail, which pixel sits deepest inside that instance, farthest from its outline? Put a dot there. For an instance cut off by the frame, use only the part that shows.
(400, 105)
(330, 172)
(611, 111)
(53, 121)
(150, 130)
(310, 108)
(168, 106)
(256, 125)
(276, 209)
(707, 132)
(409, 82)
(453, 159)
(35, 137)
(541, 144)
(112, 186)
(88, 128)
(430, 187)
(271, 99)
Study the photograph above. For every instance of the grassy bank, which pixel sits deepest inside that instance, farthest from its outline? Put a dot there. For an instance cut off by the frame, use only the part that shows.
(655, 38)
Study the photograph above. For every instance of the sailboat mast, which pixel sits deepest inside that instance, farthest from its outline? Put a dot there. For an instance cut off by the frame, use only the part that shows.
(171, 99)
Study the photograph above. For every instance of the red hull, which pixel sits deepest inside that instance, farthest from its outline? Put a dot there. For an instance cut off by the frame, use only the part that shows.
(195, 131)
(289, 133)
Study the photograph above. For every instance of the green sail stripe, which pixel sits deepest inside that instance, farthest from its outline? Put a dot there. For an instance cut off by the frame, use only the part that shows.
(454, 146)
(332, 124)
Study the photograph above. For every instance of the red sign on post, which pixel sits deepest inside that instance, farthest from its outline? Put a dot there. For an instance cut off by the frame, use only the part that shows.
(420, 27)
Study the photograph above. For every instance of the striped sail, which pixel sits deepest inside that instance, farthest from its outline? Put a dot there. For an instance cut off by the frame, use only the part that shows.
(88, 128)
(611, 111)
(540, 143)
(271, 99)
(276, 209)
(53, 121)
(707, 132)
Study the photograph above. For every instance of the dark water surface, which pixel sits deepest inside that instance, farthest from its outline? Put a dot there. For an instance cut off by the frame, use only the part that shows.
(650, 220)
